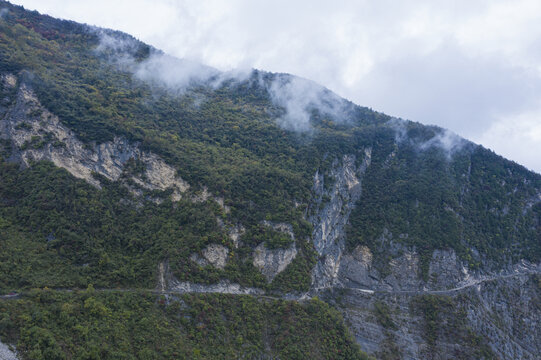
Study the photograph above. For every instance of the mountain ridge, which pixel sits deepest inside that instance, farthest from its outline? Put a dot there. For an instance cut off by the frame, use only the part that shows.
(256, 182)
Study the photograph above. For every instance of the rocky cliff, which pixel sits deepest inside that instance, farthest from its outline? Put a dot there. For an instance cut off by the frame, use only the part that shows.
(454, 313)
(392, 312)
(36, 134)
(267, 186)
(7, 353)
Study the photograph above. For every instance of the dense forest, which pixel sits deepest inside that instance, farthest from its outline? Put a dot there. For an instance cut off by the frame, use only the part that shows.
(94, 324)
(59, 232)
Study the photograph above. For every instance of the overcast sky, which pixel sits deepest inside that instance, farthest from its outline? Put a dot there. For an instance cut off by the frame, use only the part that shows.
(470, 66)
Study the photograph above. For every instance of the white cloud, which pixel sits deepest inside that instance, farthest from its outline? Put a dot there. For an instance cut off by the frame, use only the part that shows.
(299, 97)
(473, 67)
(517, 137)
(449, 88)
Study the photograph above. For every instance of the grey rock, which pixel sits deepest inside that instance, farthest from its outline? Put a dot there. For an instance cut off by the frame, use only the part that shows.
(329, 219)
(27, 119)
(168, 284)
(6, 353)
(213, 254)
(271, 262)
(223, 287)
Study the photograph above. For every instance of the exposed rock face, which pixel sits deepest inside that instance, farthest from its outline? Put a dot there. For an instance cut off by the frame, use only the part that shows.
(356, 268)
(223, 287)
(507, 312)
(214, 254)
(446, 269)
(9, 80)
(272, 262)
(469, 323)
(329, 219)
(6, 353)
(201, 196)
(167, 283)
(222, 204)
(235, 232)
(37, 134)
(499, 315)
(503, 308)
(403, 270)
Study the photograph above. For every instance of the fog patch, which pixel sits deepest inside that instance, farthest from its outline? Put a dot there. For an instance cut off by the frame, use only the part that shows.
(3, 12)
(446, 140)
(173, 73)
(443, 139)
(115, 44)
(159, 69)
(300, 98)
(400, 129)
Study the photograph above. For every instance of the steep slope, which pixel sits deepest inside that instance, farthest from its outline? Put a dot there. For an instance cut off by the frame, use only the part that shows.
(124, 168)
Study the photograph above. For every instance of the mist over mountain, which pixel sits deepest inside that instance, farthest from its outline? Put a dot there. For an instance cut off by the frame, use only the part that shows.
(154, 207)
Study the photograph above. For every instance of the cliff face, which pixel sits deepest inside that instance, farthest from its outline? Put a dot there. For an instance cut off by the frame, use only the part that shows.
(478, 313)
(454, 313)
(429, 250)
(6, 353)
(330, 217)
(493, 316)
(36, 134)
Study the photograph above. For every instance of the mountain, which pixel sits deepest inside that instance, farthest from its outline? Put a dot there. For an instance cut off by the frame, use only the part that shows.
(152, 207)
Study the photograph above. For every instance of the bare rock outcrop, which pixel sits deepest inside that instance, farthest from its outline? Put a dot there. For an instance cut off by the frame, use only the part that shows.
(6, 353)
(37, 134)
(271, 262)
(281, 227)
(213, 254)
(167, 283)
(330, 218)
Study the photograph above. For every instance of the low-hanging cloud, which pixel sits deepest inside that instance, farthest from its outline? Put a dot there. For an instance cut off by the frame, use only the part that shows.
(161, 70)
(155, 68)
(299, 98)
(449, 88)
(443, 139)
(446, 140)
(173, 73)
(463, 65)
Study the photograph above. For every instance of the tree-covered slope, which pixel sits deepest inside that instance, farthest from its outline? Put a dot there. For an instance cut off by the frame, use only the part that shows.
(93, 324)
(121, 167)
(227, 137)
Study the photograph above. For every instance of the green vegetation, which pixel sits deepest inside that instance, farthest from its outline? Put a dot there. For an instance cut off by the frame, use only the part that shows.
(389, 350)
(59, 232)
(473, 200)
(92, 324)
(230, 142)
(263, 234)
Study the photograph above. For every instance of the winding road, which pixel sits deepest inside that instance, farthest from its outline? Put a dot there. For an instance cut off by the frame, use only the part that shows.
(260, 293)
